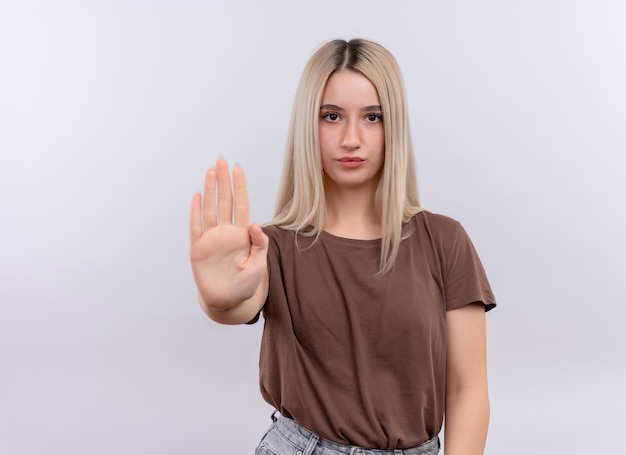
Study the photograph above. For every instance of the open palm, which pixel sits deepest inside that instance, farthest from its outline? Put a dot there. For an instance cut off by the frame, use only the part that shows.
(228, 255)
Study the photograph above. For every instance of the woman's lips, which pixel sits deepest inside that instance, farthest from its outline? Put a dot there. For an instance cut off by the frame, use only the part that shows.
(351, 162)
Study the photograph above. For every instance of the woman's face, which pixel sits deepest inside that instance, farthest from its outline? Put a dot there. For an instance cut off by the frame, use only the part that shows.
(352, 137)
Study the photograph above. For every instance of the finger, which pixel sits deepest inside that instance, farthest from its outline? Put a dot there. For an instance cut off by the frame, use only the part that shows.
(195, 218)
(258, 240)
(259, 243)
(224, 193)
(209, 215)
(241, 202)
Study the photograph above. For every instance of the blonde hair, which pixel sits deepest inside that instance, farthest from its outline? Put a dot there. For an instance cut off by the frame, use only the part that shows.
(301, 202)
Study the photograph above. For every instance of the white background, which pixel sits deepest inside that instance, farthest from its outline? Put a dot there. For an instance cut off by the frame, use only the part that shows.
(111, 111)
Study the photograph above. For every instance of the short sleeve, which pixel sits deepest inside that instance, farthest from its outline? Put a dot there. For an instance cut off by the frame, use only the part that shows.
(464, 277)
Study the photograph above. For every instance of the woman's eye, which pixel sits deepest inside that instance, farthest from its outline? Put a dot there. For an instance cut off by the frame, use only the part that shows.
(373, 118)
(331, 117)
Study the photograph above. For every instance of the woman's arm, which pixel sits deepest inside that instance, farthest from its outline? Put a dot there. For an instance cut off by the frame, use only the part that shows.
(467, 399)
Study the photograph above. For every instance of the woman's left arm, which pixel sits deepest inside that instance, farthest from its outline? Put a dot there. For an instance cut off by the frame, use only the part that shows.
(467, 398)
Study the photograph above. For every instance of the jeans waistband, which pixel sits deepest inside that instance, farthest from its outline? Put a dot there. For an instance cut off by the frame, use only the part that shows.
(300, 436)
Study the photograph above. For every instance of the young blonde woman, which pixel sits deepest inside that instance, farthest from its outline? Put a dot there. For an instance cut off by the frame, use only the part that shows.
(374, 309)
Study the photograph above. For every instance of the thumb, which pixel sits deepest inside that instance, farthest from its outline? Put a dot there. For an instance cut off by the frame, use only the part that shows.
(258, 240)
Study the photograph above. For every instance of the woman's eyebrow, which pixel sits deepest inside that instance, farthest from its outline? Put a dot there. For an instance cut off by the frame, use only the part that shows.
(330, 107)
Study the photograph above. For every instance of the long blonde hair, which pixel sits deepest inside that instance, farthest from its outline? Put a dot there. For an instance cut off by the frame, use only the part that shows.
(301, 202)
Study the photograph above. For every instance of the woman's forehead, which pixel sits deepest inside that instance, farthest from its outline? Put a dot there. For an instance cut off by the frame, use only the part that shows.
(348, 88)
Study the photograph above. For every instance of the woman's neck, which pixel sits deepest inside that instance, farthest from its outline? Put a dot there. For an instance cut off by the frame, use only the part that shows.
(351, 213)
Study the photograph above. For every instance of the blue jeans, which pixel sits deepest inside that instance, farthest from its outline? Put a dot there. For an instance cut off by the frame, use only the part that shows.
(286, 437)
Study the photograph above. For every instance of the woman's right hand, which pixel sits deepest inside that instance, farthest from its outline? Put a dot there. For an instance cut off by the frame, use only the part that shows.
(228, 255)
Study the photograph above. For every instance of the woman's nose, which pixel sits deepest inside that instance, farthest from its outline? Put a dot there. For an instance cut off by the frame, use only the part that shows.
(350, 138)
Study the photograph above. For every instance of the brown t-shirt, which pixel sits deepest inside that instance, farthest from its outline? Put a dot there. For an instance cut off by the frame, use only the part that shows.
(358, 358)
